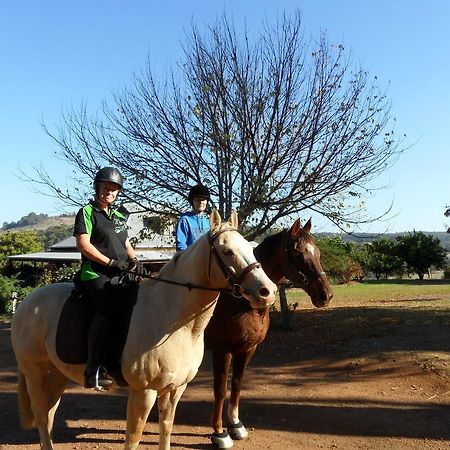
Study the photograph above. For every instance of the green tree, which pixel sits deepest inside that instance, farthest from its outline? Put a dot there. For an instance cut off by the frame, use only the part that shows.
(54, 234)
(420, 252)
(273, 123)
(380, 257)
(18, 242)
(337, 258)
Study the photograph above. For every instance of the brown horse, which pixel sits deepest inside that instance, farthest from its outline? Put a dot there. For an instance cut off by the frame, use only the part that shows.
(236, 329)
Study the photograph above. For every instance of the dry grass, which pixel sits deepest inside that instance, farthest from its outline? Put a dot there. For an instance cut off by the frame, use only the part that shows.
(382, 293)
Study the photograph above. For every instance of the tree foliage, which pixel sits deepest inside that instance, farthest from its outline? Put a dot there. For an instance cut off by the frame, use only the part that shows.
(8, 285)
(420, 252)
(18, 242)
(54, 234)
(274, 125)
(380, 258)
(338, 259)
(411, 253)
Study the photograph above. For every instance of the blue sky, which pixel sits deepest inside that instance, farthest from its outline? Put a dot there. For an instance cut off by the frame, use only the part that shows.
(56, 54)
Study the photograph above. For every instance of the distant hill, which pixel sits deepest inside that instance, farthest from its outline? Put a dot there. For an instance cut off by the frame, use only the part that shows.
(49, 230)
(360, 238)
(35, 221)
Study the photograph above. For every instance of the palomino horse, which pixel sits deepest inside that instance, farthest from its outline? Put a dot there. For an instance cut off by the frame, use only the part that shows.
(164, 346)
(236, 329)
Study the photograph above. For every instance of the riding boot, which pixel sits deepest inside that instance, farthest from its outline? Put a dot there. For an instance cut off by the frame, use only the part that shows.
(95, 376)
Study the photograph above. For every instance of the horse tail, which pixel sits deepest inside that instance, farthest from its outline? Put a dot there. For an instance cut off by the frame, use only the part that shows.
(26, 414)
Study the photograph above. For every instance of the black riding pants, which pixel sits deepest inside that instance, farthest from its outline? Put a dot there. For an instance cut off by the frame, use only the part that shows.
(104, 296)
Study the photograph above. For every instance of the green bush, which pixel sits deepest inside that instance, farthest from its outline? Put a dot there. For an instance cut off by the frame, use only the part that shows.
(446, 274)
(338, 261)
(61, 275)
(7, 287)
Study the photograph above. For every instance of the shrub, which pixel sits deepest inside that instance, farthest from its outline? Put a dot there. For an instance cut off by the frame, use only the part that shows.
(7, 287)
(338, 261)
(446, 274)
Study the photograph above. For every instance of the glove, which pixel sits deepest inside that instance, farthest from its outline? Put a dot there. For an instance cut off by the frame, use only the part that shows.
(119, 265)
(137, 267)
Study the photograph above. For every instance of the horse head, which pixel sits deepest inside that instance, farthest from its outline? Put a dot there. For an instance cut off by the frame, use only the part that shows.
(233, 260)
(302, 259)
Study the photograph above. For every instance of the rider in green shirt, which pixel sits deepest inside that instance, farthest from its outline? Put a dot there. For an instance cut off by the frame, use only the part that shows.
(101, 237)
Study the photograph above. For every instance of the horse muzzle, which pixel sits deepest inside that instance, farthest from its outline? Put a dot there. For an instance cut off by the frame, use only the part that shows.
(322, 300)
(262, 296)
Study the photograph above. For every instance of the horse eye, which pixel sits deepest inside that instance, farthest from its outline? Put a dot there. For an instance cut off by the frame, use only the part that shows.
(228, 252)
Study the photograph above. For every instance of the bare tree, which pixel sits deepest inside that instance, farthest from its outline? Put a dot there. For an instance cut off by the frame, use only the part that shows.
(274, 126)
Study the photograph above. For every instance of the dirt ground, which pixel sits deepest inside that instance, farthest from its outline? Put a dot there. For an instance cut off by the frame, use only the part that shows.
(345, 378)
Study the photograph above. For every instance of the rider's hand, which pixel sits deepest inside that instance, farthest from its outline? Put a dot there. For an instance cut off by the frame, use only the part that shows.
(137, 267)
(118, 264)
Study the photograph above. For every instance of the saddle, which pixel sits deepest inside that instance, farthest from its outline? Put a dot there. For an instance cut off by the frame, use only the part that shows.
(75, 320)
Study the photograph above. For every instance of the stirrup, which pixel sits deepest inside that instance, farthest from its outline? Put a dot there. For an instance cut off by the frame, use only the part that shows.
(98, 380)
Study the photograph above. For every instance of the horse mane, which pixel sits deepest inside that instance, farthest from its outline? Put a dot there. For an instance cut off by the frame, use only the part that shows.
(271, 241)
(179, 256)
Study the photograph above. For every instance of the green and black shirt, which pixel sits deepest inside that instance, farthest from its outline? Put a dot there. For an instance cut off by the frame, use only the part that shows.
(107, 234)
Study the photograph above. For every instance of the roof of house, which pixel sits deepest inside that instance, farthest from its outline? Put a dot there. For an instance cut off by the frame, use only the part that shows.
(68, 257)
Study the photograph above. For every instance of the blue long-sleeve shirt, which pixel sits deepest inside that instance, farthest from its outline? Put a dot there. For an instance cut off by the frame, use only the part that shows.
(190, 227)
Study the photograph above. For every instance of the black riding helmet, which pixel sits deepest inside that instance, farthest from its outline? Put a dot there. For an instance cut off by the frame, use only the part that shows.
(198, 191)
(110, 174)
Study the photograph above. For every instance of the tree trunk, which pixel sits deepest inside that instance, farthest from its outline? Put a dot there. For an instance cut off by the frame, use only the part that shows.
(285, 313)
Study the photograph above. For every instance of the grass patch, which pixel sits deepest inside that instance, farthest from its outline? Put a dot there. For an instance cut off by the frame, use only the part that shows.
(381, 294)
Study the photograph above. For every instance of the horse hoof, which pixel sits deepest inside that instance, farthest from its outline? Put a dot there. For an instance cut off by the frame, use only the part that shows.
(237, 431)
(222, 440)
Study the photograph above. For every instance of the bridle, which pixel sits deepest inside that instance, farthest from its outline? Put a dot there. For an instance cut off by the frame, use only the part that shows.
(236, 289)
(235, 280)
(307, 279)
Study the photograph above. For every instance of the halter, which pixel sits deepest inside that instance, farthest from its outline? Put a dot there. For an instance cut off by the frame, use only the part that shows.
(290, 259)
(235, 281)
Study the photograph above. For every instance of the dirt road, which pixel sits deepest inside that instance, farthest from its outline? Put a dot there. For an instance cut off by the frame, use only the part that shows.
(324, 386)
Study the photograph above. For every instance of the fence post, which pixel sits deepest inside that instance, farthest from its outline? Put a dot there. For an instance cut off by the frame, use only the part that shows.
(14, 301)
(285, 313)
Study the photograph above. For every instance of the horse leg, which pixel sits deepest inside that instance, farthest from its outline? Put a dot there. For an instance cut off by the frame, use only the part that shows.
(221, 363)
(236, 428)
(167, 404)
(36, 378)
(56, 384)
(138, 408)
(25, 411)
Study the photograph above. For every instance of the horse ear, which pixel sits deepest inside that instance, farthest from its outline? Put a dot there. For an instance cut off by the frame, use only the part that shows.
(215, 220)
(234, 221)
(295, 227)
(307, 226)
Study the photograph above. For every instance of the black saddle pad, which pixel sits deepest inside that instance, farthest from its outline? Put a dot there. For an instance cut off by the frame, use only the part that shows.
(74, 323)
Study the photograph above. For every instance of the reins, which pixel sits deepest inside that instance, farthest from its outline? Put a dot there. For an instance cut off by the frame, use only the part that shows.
(236, 289)
(188, 285)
